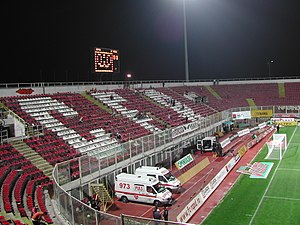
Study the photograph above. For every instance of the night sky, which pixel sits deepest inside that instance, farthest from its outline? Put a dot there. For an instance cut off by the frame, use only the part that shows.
(52, 40)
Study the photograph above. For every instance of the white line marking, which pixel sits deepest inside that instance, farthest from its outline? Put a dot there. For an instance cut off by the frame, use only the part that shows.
(287, 169)
(283, 198)
(262, 198)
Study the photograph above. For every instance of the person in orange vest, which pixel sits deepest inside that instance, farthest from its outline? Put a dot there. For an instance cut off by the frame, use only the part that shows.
(38, 217)
(34, 210)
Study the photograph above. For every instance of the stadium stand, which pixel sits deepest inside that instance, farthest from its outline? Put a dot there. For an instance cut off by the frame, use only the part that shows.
(74, 126)
(236, 95)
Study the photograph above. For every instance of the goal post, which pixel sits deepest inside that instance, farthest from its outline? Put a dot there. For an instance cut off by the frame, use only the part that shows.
(277, 146)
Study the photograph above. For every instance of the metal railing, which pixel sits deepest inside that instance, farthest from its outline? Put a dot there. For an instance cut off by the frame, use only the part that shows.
(133, 82)
(155, 148)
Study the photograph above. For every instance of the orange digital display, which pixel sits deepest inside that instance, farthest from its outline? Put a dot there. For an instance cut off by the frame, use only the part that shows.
(106, 60)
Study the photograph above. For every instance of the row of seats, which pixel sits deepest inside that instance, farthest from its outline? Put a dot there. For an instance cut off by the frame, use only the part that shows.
(119, 104)
(60, 114)
(198, 109)
(4, 221)
(236, 95)
(18, 179)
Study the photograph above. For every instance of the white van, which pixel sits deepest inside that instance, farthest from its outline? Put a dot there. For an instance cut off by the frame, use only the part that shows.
(207, 143)
(131, 187)
(162, 174)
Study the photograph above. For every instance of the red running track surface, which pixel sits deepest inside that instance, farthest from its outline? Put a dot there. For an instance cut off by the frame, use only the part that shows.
(196, 183)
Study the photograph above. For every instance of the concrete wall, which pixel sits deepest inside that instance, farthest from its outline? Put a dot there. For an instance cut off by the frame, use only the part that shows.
(50, 88)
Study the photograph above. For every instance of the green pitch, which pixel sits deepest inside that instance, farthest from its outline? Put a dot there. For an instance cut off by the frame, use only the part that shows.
(270, 201)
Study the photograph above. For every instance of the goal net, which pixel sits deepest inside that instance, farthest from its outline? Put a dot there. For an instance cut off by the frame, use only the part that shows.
(276, 146)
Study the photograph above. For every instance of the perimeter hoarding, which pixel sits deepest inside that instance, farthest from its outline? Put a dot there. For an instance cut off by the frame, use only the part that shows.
(262, 113)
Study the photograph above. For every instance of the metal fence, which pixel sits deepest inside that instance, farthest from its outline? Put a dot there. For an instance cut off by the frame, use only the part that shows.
(148, 150)
(134, 220)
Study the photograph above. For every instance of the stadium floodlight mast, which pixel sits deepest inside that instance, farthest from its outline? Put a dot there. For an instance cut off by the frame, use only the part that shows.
(185, 43)
(128, 78)
(269, 66)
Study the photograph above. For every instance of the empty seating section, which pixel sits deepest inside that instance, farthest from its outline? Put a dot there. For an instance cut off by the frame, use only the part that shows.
(185, 106)
(16, 175)
(41, 203)
(262, 94)
(74, 125)
(292, 94)
(143, 102)
(202, 91)
(236, 95)
(120, 102)
(183, 109)
(157, 111)
(99, 121)
(161, 111)
(57, 114)
(52, 148)
(135, 103)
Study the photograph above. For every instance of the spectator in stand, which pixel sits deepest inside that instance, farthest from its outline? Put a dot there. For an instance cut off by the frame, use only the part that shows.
(174, 102)
(38, 217)
(34, 210)
(119, 136)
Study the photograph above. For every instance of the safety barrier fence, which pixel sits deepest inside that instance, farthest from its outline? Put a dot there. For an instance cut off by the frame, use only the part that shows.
(95, 165)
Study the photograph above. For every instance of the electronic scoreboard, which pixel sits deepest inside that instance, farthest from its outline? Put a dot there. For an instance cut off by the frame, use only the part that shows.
(106, 60)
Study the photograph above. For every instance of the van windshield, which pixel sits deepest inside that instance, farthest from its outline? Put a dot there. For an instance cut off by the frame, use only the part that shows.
(159, 188)
(170, 177)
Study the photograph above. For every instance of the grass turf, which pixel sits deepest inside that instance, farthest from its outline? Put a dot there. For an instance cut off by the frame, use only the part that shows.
(274, 200)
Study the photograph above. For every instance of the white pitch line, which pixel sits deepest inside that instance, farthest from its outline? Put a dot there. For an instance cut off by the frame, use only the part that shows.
(262, 198)
(283, 198)
(287, 169)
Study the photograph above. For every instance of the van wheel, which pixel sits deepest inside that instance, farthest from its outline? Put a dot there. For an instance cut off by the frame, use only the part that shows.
(124, 199)
(156, 203)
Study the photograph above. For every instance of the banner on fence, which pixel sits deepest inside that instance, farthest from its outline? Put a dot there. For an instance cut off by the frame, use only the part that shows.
(241, 115)
(185, 129)
(184, 161)
(262, 113)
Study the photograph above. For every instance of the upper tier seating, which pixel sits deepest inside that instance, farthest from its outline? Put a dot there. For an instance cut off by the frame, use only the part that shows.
(75, 119)
(236, 95)
(137, 106)
(194, 109)
(122, 103)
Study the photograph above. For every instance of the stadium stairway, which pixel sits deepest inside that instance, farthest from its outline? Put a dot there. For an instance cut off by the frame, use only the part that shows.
(96, 102)
(281, 90)
(207, 105)
(213, 92)
(34, 157)
(103, 195)
(251, 103)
